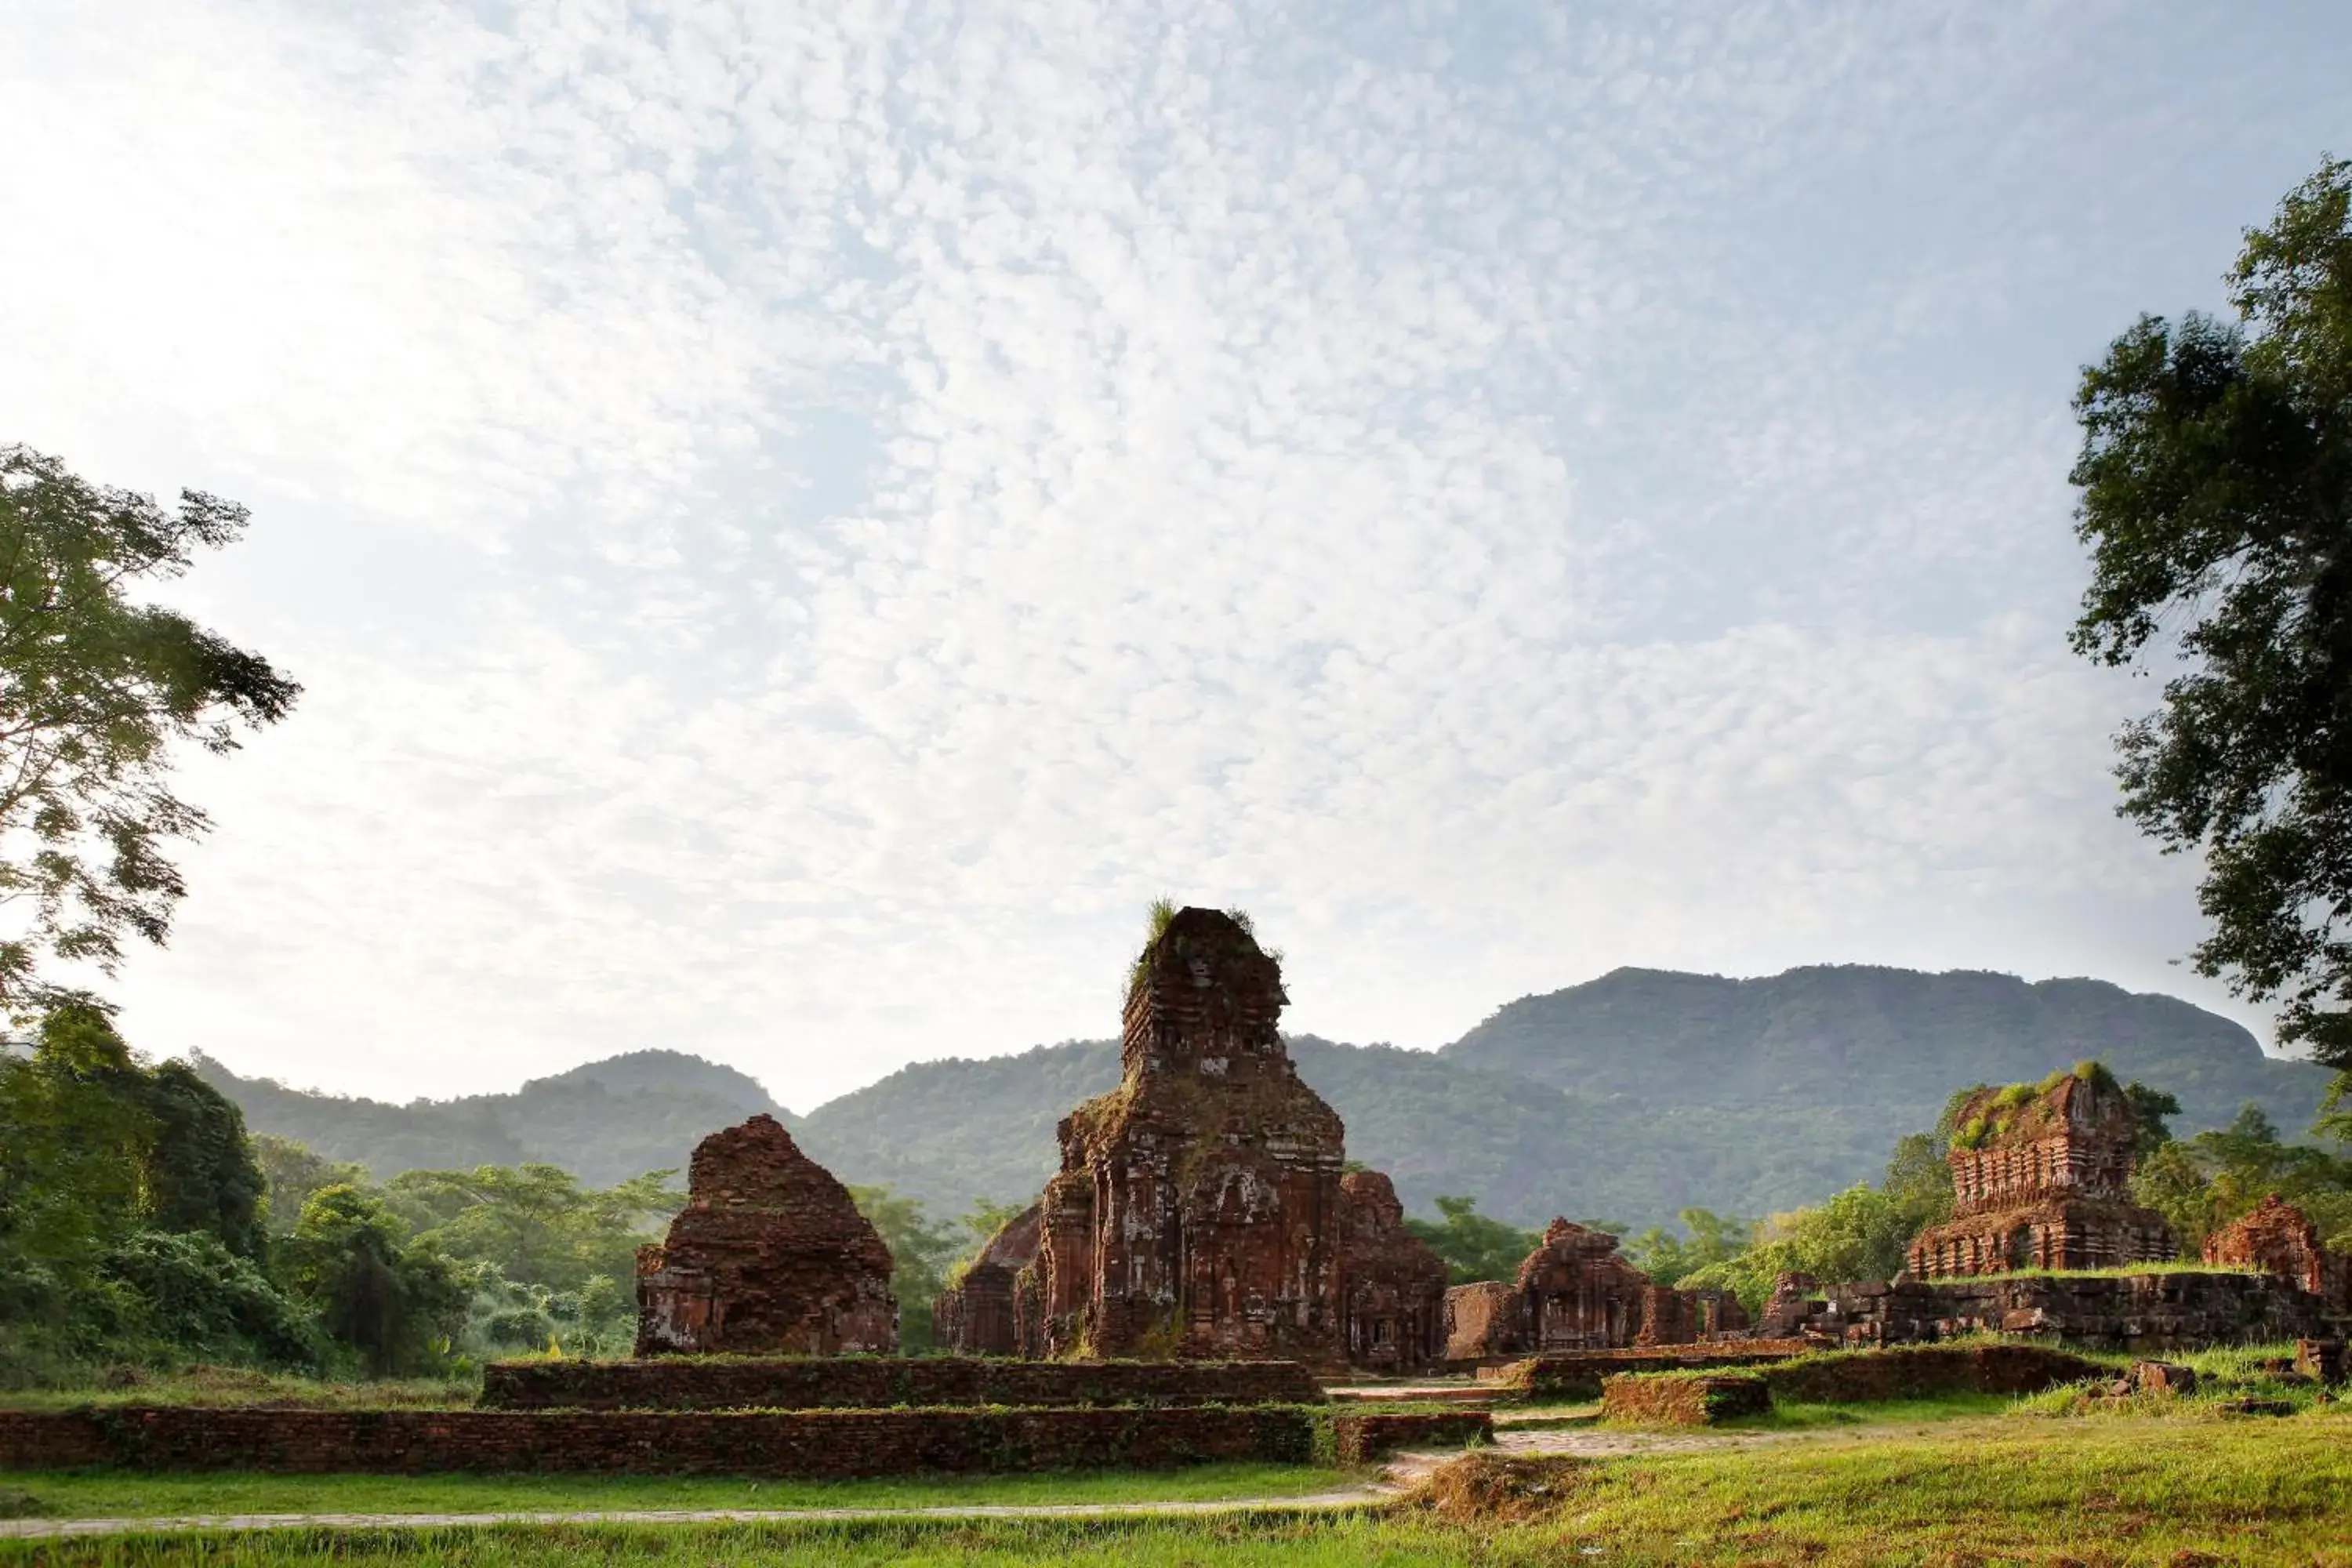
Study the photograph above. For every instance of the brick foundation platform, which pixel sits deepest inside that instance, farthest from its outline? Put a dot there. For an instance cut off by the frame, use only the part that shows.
(835, 1382)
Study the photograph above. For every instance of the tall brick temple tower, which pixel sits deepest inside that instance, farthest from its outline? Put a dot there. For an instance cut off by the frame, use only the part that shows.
(2041, 1179)
(1198, 1209)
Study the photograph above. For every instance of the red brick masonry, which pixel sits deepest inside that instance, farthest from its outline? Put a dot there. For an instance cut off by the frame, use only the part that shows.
(834, 1382)
(814, 1443)
(1361, 1439)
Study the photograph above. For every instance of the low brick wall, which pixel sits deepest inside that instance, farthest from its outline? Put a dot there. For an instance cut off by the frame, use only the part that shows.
(877, 1383)
(1578, 1374)
(811, 1444)
(2142, 1314)
(1915, 1372)
(1683, 1398)
(1360, 1439)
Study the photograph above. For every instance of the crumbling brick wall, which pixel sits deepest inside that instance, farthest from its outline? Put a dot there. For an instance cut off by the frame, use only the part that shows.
(770, 1257)
(2141, 1313)
(810, 1444)
(863, 1383)
(2279, 1238)
(1576, 1293)
(1481, 1321)
(1683, 1398)
(1197, 1210)
(1394, 1285)
(981, 1313)
(2043, 1182)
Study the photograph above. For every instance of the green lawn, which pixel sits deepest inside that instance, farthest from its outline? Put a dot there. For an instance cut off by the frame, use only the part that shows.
(129, 1494)
(2016, 1489)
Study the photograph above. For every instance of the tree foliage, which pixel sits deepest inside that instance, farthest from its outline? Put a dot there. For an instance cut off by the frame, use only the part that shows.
(94, 689)
(1474, 1246)
(2216, 497)
(921, 1253)
(399, 1305)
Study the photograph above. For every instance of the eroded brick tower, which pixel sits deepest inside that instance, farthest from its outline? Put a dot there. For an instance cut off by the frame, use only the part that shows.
(2041, 1179)
(1197, 1210)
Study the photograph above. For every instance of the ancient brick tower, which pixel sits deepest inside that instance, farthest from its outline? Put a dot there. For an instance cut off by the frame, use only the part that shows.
(770, 1257)
(1395, 1284)
(1197, 1210)
(2041, 1179)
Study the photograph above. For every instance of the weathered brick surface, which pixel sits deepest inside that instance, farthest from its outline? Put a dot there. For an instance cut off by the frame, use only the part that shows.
(2279, 1238)
(867, 1382)
(1394, 1285)
(1362, 1438)
(1683, 1398)
(1923, 1371)
(2133, 1313)
(770, 1257)
(1579, 1375)
(814, 1444)
(992, 1309)
(2047, 1187)
(1574, 1292)
(1197, 1210)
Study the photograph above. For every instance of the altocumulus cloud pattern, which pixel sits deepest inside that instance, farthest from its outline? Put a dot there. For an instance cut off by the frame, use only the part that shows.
(798, 520)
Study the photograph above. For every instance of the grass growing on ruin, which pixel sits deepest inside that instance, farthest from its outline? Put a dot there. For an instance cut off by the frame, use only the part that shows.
(132, 1494)
(223, 1385)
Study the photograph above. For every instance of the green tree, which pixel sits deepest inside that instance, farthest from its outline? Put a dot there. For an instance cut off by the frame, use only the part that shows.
(94, 689)
(1474, 1246)
(1666, 1256)
(2216, 498)
(920, 1255)
(536, 1222)
(2201, 1183)
(398, 1306)
(201, 1171)
(290, 1172)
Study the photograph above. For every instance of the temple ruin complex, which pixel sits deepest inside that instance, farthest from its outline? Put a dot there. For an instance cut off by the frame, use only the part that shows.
(2041, 1179)
(1575, 1292)
(770, 1257)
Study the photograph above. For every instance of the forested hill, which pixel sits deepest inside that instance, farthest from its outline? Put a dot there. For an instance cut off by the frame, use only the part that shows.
(605, 1121)
(1625, 1099)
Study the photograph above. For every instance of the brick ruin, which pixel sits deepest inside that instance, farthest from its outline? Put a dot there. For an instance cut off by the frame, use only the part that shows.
(1197, 1210)
(992, 1309)
(2041, 1179)
(2279, 1238)
(1201, 1210)
(1574, 1292)
(1395, 1285)
(770, 1257)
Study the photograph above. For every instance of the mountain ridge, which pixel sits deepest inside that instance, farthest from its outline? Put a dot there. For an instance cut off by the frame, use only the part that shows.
(1626, 1097)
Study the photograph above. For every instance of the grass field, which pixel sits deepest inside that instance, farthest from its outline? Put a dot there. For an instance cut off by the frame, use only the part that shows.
(129, 1494)
(2019, 1488)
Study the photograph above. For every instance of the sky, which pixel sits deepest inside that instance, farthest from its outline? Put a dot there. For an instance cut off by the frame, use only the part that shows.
(797, 521)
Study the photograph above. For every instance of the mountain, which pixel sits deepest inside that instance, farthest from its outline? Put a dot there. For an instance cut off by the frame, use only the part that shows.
(605, 1121)
(1625, 1099)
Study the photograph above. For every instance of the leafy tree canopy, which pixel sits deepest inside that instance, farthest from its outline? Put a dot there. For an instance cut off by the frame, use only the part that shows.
(93, 690)
(1473, 1246)
(2216, 497)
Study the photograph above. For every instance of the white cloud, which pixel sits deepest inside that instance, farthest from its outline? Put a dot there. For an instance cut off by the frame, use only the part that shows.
(798, 520)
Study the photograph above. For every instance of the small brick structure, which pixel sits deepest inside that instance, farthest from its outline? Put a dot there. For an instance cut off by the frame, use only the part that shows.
(2164, 1377)
(1575, 1292)
(1393, 1285)
(2042, 1180)
(992, 1309)
(1921, 1372)
(806, 1443)
(867, 1383)
(2279, 1238)
(1683, 1398)
(2136, 1313)
(1579, 1375)
(1360, 1439)
(770, 1257)
(2320, 1360)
